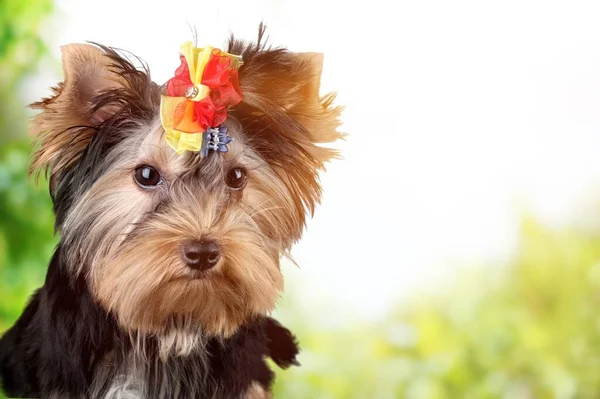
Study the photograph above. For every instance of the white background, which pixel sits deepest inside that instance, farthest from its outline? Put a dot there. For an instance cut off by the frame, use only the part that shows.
(461, 115)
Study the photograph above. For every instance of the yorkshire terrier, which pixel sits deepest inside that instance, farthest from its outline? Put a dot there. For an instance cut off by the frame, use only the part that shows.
(174, 204)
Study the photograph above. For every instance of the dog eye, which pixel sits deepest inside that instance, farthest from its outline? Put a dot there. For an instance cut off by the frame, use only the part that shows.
(147, 176)
(236, 178)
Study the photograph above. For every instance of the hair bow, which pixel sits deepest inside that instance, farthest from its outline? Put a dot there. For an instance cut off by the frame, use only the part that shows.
(196, 99)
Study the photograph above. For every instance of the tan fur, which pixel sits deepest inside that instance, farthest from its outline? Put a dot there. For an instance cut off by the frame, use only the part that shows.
(258, 392)
(68, 122)
(286, 117)
(86, 74)
(142, 279)
(127, 239)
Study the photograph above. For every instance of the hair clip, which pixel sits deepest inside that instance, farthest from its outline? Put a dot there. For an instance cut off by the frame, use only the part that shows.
(215, 139)
(195, 102)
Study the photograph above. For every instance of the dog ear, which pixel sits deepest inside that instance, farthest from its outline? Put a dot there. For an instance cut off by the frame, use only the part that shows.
(285, 118)
(315, 113)
(285, 88)
(97, 84)
(88, 73)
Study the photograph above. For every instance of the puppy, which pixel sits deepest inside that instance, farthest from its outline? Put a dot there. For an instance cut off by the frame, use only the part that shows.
(169, 259)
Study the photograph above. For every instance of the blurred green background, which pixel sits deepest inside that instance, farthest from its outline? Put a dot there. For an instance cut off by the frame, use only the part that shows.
(527, 329)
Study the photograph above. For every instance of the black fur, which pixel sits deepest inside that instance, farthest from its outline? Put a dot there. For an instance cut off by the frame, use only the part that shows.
(63, 335)
(282, 344)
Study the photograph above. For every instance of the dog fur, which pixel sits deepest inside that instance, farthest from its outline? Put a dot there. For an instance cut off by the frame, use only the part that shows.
(119, 314)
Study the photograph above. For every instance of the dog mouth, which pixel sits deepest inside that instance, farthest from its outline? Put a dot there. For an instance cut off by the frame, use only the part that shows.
(196, 275)
(199, 275)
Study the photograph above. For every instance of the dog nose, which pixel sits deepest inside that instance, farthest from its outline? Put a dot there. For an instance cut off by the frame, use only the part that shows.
(201, 255)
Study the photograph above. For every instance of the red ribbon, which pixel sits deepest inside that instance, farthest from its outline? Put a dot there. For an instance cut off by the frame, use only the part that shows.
(223, 82)
(178, 85)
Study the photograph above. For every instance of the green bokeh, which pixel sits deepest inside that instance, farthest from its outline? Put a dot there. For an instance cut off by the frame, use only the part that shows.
(26, 238)
(529, 329)
(21, 46)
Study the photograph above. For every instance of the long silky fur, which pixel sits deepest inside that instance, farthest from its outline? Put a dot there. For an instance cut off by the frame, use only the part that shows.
(60, 345)
(109, 322)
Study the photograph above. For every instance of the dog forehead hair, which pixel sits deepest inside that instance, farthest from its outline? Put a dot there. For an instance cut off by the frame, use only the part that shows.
(148, 146)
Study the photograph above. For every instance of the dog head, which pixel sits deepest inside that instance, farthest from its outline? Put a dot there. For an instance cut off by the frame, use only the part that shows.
(173, 241)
